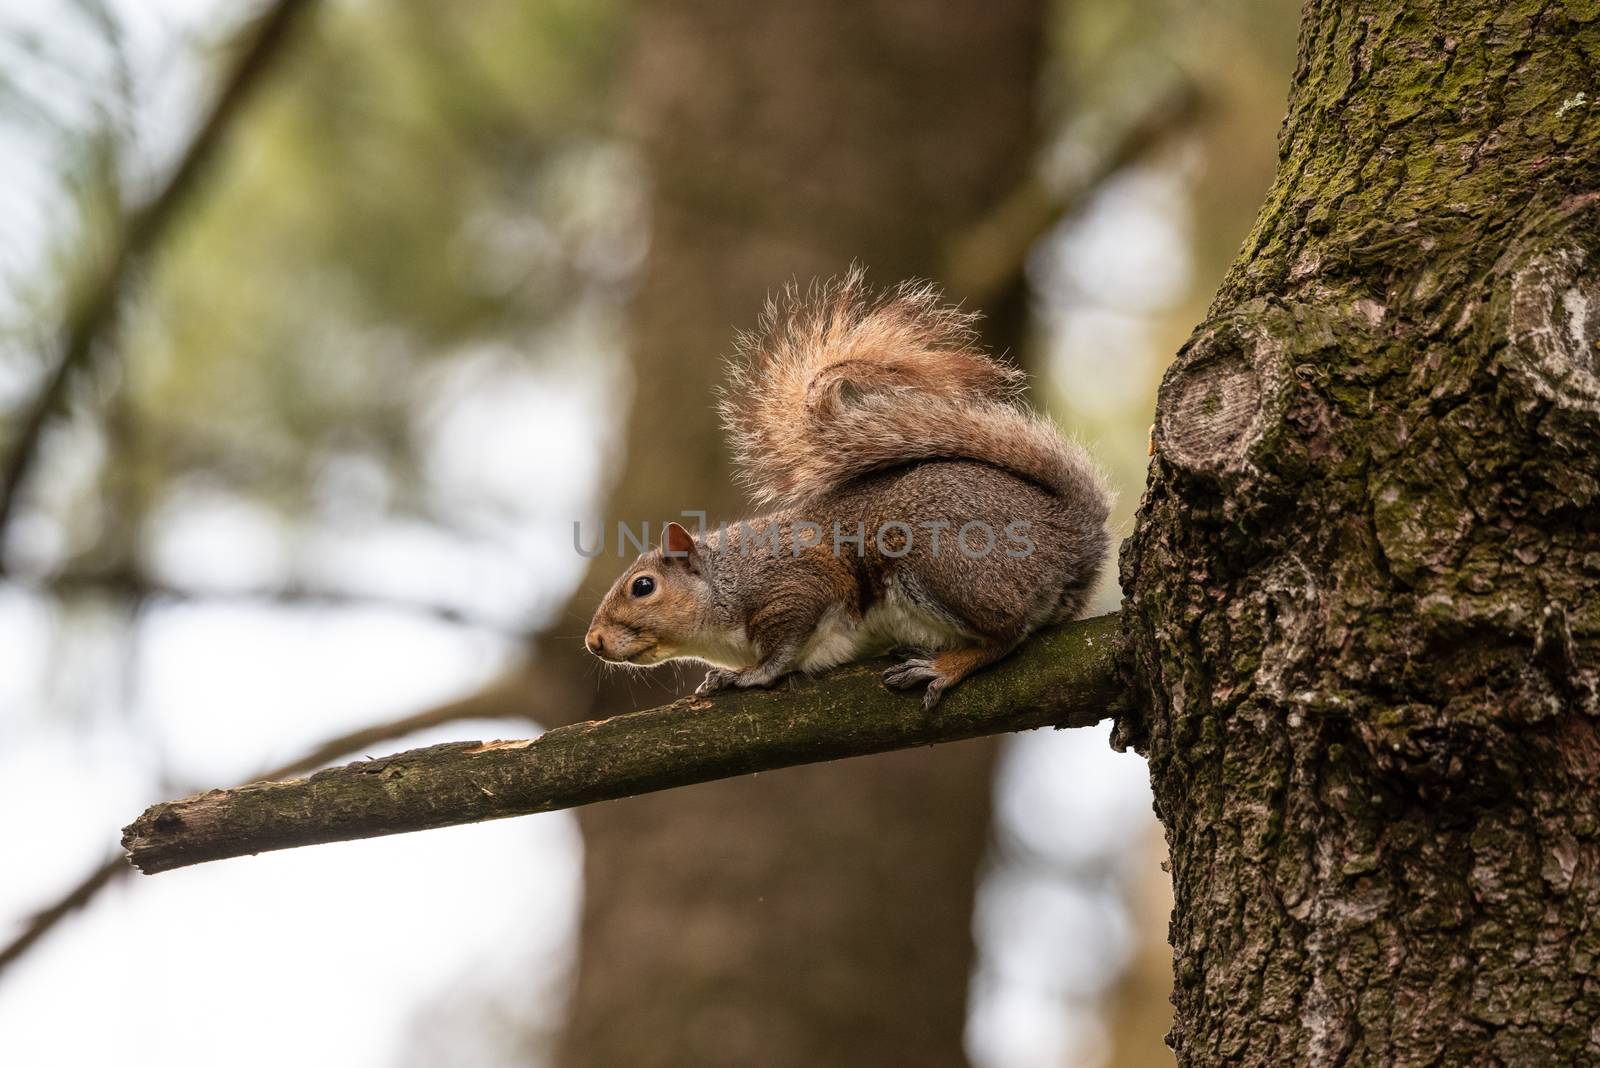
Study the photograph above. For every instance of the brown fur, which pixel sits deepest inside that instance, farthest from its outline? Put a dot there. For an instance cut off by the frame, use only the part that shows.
(851, 412)
(837, 384)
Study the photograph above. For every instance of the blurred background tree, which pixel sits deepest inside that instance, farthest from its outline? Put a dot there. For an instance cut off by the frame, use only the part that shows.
(462, 276)
(776, 919)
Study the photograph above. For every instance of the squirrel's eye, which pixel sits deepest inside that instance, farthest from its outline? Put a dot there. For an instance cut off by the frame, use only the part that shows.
(643, 586)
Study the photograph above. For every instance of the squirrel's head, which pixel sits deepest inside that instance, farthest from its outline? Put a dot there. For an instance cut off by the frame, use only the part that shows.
(656, 608)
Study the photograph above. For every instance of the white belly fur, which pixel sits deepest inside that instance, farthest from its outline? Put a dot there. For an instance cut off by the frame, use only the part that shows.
(895, 621)
(725, 648)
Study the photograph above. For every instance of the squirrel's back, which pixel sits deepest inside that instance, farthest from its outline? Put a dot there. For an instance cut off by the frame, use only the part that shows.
(836, 384)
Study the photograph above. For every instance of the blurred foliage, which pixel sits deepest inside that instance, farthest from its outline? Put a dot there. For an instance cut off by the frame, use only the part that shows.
(419, 185)
(1112, 325)
(423, 185)
(424, 179)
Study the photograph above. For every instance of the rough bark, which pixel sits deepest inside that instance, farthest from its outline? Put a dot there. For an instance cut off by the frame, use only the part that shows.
(822, 916)
(1363, 594)
(1066, 678)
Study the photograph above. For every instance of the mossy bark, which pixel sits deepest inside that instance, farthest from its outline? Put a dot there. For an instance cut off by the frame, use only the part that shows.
(1363, 593)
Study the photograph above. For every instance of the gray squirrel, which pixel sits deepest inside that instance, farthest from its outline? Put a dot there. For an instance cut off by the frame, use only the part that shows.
(917, 505)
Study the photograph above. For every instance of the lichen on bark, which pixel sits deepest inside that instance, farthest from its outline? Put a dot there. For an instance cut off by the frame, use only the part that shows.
(1366, 632)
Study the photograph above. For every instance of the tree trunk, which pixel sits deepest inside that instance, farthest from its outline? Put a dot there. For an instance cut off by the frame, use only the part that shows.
(821, 916)
(1363, 594)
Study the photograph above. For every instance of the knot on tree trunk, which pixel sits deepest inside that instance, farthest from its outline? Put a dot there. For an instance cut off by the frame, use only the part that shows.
(1549, 308)
(1235, 411)
(1214, 403)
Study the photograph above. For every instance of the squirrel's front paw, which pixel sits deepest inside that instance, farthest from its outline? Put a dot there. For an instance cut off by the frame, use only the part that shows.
(716, 679)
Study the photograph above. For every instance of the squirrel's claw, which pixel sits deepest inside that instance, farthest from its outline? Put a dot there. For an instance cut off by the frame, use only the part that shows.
(915, 672)
(716, 679)
(909, 673)
(745, 678)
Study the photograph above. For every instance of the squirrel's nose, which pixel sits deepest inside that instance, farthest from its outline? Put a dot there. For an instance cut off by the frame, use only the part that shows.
(596, 643)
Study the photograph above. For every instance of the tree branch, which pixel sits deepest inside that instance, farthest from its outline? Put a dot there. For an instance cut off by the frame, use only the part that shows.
(41, 922)
(1064, 678)
(524, 694)
(94, 310)
(134, 584)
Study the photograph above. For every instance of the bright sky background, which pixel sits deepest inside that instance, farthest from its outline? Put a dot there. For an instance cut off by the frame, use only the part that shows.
(350, 950)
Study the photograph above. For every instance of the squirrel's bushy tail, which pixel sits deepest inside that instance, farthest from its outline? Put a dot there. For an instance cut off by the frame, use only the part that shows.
(837, 383)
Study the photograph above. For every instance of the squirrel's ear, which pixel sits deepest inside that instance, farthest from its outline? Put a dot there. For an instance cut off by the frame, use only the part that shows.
(677, 546)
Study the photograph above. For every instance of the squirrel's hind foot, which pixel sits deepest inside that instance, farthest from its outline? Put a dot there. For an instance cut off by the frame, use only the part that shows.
(942, 670)
(914, 672)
